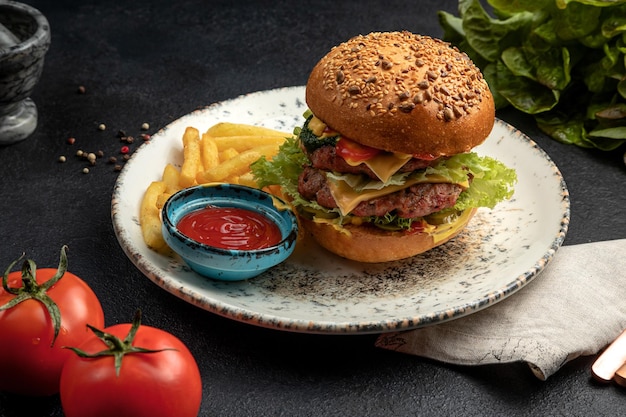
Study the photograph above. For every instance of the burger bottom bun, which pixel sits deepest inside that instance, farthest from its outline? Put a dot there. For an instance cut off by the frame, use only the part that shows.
(371, 244)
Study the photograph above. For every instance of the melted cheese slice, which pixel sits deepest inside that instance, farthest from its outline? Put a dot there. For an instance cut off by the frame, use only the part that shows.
(385, 164)
(347, 198)
(443, 231)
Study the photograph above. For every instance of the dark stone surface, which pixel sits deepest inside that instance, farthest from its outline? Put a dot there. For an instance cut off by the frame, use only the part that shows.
(154, 61)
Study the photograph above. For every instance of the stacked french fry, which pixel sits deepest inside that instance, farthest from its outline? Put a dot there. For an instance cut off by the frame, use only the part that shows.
(221, 154)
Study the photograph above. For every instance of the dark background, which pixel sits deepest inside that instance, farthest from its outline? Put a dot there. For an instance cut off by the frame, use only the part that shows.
(154, 61)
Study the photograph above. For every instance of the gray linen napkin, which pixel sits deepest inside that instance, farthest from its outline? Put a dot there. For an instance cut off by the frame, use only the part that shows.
(575, 307)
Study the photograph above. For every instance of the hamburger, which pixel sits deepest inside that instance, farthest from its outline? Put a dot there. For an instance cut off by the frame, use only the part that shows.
(382, 168)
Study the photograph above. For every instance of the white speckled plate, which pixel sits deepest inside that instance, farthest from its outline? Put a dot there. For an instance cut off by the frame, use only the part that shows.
(317, 292)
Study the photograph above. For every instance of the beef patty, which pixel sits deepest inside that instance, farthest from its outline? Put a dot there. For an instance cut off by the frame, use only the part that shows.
(415, 201)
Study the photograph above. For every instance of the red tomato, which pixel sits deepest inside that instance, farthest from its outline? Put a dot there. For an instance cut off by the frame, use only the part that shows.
(163, 383)
(354, 152)
(29, 364)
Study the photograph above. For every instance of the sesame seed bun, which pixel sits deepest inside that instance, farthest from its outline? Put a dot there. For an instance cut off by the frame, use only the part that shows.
(402, 92)
(372, 245)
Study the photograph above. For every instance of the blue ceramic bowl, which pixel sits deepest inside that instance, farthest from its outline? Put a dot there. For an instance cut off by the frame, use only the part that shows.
(228, 264)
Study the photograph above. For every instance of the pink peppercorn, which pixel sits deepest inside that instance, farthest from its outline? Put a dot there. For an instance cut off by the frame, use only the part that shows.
(124, 150)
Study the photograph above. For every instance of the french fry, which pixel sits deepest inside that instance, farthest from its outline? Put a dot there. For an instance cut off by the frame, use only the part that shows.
(275, 190)
(149, 217)
(233, 179)
(171, 178)
(238, 165)
(242, 143)
(192, 162)
(238, 129)
(227, 154)
(210, 155)
(248, 180)
(161, 199)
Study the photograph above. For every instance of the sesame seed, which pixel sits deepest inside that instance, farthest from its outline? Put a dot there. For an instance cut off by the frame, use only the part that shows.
(407, 107)
(386, 65)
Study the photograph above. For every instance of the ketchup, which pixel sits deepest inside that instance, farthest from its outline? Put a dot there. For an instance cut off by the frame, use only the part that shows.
(230, 228)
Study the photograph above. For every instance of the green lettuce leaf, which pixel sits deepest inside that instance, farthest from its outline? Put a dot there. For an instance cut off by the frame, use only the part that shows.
(284, 169)
(492, 181)
(558, 60)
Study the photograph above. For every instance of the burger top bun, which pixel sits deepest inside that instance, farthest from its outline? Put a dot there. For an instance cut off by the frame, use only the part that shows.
(402, 92)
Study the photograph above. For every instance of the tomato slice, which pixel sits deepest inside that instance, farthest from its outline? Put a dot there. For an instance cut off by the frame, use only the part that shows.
(354, 152)
(425, 156)
(417, 227)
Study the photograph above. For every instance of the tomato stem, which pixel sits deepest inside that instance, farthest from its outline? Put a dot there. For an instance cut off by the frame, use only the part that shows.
(116, 347)
(5, 278)
(31, 290)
